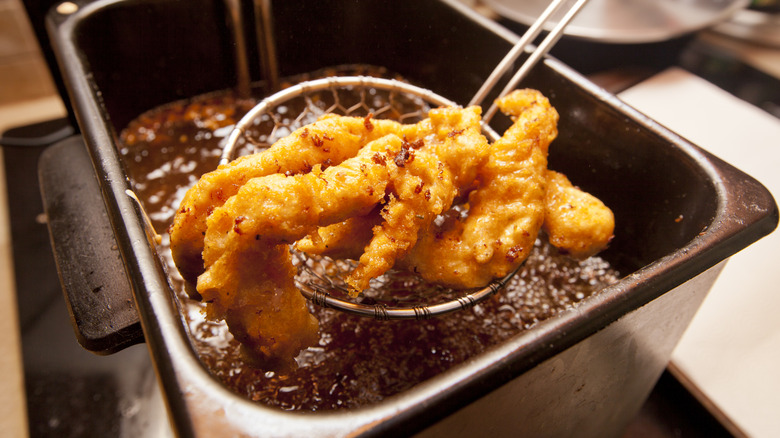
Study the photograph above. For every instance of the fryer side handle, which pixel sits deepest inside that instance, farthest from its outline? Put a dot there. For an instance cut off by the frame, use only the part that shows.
(93, 278)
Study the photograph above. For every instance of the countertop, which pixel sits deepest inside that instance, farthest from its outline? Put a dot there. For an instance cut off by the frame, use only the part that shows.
(13, 418)
(731, 351)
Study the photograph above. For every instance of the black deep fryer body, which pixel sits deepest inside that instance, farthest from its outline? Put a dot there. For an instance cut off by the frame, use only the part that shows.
(680, 212)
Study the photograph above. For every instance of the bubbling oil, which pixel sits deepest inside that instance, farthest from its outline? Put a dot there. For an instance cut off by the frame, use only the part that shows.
(357, 361)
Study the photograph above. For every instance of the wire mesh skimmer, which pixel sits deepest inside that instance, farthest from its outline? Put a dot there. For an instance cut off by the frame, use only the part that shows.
(320, 278)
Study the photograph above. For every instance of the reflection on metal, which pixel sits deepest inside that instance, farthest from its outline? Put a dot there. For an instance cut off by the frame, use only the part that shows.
(67, 8)
(235, 19)
(266, 45)
(266, 48)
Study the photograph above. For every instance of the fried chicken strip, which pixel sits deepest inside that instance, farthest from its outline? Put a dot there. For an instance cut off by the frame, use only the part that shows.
(454, 135)
(505, 212)
(262, 307)
(576, 222)
(330, 140)
(342, 240)
(421, 188)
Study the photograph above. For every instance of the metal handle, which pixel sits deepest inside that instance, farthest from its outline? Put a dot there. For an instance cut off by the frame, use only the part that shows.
(97, 291)
(520, 47)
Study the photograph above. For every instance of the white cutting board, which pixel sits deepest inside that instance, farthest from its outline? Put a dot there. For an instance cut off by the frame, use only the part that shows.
(731, 352)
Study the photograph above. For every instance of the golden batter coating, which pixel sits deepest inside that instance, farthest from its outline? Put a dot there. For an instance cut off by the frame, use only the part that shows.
(421, 188)
(506, 210)
(329, 141)
(263, 308)
(343, 240)
(454, 135)
(576, 222)
(282, 209)
(441, 158)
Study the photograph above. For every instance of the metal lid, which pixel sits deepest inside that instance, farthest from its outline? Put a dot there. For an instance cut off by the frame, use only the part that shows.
(629, 21)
